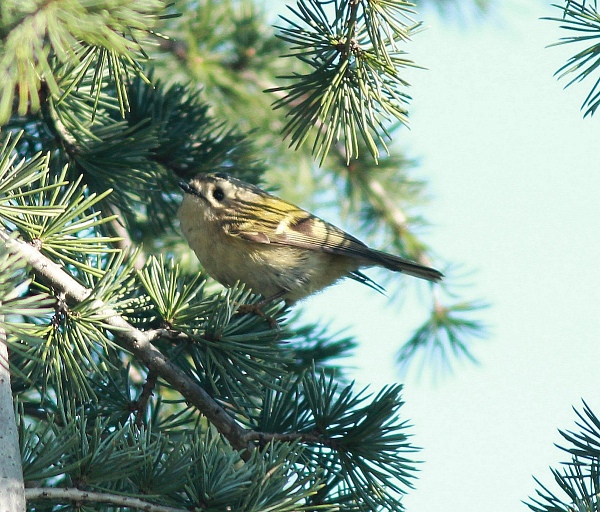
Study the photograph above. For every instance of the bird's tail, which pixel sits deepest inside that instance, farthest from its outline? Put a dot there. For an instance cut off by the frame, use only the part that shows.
(405, 266)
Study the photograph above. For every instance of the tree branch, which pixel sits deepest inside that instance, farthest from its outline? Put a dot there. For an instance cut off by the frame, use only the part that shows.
(69, 143)
(119, 230)
(396, 216)
(305, 437)
(140, 344)
(11, 472)
(144, 399)
(78, 496)
(136, 341)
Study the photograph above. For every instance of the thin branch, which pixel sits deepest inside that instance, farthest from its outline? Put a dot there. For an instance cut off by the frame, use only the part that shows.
(142, 402)
(397, 217)
(168, 334)
(307, 437)
(118, 229)
(136, 341)
(78, 496)
(54, 123)
(69, 144)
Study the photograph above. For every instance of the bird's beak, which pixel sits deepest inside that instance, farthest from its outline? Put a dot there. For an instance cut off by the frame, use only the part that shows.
(188, 189)
(185, 186)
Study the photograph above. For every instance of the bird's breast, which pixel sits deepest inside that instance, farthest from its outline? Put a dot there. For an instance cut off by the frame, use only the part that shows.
(268, 269)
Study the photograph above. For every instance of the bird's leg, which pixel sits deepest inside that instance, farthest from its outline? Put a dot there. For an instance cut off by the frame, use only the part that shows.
(256, 308)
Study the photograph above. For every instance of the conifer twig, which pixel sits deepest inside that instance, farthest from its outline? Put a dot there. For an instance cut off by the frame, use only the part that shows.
(80, 496)
(397, 217)
(119, 229)
(138, 342)
(144, 399)
(305, 437)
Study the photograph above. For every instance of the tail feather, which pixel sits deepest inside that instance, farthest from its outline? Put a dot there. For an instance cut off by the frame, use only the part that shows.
(405, 266)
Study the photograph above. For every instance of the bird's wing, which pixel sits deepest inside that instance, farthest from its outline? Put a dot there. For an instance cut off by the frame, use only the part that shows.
(298, 228)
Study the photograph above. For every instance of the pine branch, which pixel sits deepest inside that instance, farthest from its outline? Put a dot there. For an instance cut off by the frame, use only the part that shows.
(579, 478)
(309, 438)
(444, 336)
(144, 399)
(397, 219)
(582, 18)
(138, 342)
(353, 88)
(365, 442)
(37, 42)
(78, 496)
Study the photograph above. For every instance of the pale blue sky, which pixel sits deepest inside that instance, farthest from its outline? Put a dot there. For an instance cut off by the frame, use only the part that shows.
(515, 178)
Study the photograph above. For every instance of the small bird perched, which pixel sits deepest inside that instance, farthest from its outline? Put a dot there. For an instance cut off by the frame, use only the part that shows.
(242, 233)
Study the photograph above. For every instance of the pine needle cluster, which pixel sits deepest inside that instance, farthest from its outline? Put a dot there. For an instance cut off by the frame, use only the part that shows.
(582, 20)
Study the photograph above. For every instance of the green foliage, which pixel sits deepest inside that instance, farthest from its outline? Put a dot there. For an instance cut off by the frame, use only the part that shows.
(74, 344)
(353, 87)
(263, 483)
(314, 346)
(96, 141)
(229, 52)
(233, 355)
(35, 37)
(13, 282)
(17, 203)
(579, 479)
(583, 19)
(444, 336)
(167, 133)
(356, 445)
(197, 468)
(367, 443)
(63, 236)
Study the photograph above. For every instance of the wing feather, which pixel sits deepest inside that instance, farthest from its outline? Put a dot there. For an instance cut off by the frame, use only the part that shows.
(299, 228)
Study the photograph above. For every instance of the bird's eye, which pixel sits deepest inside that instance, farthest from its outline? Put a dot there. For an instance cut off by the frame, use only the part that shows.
(218, 194)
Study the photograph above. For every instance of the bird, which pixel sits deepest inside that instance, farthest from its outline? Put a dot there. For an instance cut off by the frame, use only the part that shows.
(241, 233)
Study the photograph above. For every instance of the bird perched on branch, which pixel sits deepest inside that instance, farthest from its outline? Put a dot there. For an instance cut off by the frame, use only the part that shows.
(239, 232)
